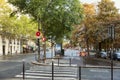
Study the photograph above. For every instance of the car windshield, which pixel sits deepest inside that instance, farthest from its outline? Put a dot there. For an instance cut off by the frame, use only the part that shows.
(103, 52)
(118, 52)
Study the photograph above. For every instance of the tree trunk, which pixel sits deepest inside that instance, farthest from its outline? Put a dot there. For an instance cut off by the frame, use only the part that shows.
(87, 43)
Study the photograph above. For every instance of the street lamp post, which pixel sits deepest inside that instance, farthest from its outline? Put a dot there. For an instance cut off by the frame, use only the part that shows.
(111, 34)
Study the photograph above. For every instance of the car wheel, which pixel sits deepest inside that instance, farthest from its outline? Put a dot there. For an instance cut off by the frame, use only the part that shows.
(118, 59)
(114, 59)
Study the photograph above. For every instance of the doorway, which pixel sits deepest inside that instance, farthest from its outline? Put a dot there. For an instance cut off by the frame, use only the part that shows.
(3, 50)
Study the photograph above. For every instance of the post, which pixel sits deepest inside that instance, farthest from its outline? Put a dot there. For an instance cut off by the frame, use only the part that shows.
(38, 50)
(80, 73)
(112, 39)
(38, 41)
(111, 69)
(52, 48)
(112, 35)
(44, 46)
(58, 61)
(70, 61)
(84, 60)
(23, 69)
(52, 70)
(112, 57)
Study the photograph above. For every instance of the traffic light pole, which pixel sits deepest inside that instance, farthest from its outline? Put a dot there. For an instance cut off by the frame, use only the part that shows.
(38, 40)
(44, 47)
(38, 50)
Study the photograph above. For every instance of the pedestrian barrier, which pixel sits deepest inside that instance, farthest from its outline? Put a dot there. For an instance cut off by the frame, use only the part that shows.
(98, 73)
(56, 70)
(63, 69)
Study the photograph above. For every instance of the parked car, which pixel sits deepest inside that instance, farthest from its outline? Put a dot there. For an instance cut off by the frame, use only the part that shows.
(116, 56)
(101, 54)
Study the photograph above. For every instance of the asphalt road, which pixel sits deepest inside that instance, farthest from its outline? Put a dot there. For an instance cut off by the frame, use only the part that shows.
(12, 66)
(99, 74)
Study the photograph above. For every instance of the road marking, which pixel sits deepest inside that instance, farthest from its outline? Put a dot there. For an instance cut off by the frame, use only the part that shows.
(45, 72)
(46, 77)
(66, 64)
(97, 70)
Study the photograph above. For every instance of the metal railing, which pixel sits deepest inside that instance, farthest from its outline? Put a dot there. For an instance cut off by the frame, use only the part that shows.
(83, 70)
(99, 70)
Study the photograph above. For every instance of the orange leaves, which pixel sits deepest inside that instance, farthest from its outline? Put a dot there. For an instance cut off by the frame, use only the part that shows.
(89, 9)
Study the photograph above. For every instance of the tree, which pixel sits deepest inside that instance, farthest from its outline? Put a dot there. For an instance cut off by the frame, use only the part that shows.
(107, 13)
(55, 16)
(14, 25)
(25, 26)
(5, 22)
(84, 32)
(106, 10)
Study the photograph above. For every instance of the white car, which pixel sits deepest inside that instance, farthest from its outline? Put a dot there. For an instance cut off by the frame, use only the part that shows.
(102, 54)
(116, 56)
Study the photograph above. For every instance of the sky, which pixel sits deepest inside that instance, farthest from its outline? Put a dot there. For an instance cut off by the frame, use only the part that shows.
(117, 2)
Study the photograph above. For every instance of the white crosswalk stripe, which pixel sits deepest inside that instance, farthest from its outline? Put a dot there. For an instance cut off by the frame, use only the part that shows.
(45, 73)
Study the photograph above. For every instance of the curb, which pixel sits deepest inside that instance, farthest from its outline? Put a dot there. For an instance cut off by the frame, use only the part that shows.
(108, 61)
(38, 63)
(50, 64)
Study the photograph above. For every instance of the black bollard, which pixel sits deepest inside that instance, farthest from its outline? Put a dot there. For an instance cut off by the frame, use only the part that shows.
(23, 69)
(70, 61)
(80, 73)
(58, 61)
(52, 70)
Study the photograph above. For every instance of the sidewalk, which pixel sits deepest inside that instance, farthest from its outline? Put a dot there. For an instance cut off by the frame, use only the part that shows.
(63, 61)
(15, 56)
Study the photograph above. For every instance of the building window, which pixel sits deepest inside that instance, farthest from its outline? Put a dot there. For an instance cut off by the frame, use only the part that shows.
(18, 42)
(10, 41)
(14, 41)
(3, 40)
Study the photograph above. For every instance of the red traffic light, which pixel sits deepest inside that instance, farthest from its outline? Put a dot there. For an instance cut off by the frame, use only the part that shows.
(38, 33)
(43, 39)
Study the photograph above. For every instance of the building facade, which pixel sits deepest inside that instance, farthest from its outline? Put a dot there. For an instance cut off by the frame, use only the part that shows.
(9, 47)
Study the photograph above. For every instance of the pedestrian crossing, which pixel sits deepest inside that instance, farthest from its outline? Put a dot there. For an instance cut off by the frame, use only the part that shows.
(37, 72)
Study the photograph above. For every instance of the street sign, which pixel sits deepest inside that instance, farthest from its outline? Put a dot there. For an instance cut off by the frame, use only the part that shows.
(38, 34)
(111, 32)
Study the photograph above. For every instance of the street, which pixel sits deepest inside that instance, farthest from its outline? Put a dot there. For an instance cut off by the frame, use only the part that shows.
(13, 65)
(99, 74)
(66, 68)
(59, 40)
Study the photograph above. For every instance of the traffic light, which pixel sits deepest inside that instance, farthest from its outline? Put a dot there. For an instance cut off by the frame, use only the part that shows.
(43, 39)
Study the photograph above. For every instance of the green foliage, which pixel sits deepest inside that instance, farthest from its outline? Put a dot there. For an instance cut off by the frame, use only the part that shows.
(15, 26)
(56, 16)
(61, 16)
(5, 21)
(24, 26)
